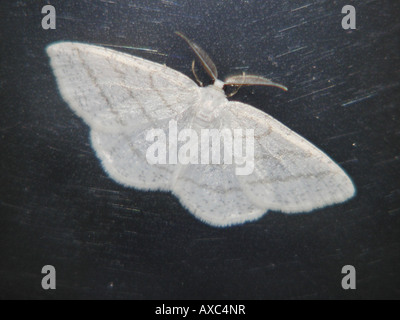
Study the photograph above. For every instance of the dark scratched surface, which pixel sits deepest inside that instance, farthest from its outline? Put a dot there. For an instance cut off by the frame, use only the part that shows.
(58, 207)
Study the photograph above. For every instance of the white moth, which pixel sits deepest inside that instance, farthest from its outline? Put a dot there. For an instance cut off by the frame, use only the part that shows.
(121, 97)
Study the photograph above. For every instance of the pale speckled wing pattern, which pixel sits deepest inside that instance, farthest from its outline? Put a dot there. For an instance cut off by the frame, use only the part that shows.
(123, 156)
(116, 92)
(290, 174)
(213, 194)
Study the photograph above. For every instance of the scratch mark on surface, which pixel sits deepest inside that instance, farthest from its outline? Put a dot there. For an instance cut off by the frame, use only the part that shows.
(374, 92)
(311, 93)
(5, 204)
(292, 27)
(348, 161)
(343, 135)
(171, 3)
(384, 162)
(135, 48)
(302, 7)
(103, 190)
(394, 211)
(120, 206)
(358, 99)
(289, 52)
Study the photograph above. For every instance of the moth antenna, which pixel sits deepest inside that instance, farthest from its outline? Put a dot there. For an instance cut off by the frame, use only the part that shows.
(252, 80)
(204, 58)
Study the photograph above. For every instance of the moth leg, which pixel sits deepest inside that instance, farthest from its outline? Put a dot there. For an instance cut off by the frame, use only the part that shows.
(195, 75)
(238, 87)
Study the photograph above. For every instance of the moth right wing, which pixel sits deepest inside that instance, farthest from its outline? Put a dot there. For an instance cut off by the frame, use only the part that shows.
(116, 92)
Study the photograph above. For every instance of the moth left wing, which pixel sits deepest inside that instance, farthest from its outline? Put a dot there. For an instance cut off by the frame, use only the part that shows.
(290, 174)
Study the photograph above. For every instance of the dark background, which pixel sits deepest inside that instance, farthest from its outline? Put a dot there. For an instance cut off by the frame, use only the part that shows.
(58, 207)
